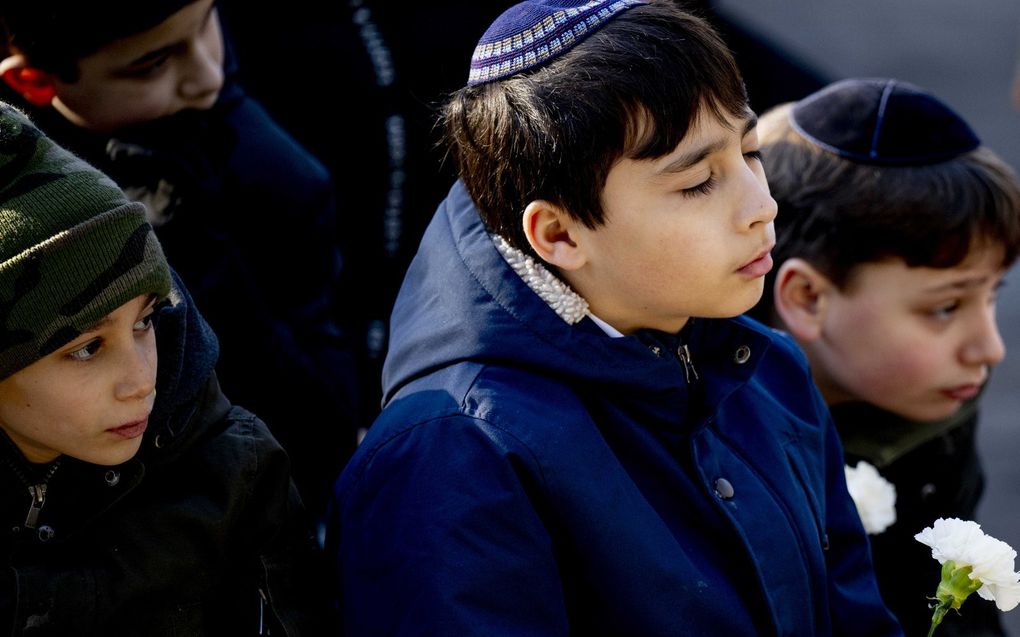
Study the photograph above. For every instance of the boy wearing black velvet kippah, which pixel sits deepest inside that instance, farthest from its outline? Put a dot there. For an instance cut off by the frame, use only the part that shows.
(579, 437)
(895, 228)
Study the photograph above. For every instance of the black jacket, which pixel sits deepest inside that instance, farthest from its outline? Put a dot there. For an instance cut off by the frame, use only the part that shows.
(247, 218)
(201, 533)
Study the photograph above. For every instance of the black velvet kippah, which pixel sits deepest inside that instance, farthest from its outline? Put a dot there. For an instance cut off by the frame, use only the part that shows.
(882, 121)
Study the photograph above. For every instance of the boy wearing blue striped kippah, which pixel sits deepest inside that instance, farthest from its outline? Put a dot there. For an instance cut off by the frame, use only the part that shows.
(578, 437)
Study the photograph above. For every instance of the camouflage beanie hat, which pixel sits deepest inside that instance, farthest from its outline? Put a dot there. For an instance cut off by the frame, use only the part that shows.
(72, 248)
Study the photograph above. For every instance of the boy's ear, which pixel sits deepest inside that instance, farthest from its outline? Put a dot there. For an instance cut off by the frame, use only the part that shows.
(551, 233)
(36, 86)
(801, 299)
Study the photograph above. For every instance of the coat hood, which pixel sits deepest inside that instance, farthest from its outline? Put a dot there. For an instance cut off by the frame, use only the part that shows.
(188, 350)
(461, 300)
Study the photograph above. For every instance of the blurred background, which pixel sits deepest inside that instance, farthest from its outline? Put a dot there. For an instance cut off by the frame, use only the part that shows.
(966, 54)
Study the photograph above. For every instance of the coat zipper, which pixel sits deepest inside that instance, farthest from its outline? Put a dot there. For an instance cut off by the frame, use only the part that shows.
(38, 493)
(262, 612)
(684, 355)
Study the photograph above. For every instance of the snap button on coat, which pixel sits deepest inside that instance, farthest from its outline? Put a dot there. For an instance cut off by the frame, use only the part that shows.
(723, 488)
(742, 355)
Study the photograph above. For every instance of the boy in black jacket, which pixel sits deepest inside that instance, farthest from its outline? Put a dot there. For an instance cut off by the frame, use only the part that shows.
(135, 500)
(144, 92)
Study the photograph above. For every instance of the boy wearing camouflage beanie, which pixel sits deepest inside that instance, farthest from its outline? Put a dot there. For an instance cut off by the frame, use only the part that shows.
(148, 93)
(72, 249)
(127, 513)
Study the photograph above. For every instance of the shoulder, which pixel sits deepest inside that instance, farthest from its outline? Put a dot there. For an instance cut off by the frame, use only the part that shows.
(783, 366)
(245, 432)
(781, 382)
(264, 151)
(469, 417)
(228, 449)
(781, 350)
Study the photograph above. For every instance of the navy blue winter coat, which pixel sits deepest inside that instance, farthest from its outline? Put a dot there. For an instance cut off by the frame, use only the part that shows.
(530, 477)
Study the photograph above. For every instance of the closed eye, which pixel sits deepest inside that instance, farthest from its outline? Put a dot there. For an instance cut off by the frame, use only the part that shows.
(703, 188)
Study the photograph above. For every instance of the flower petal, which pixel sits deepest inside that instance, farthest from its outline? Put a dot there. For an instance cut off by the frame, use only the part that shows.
(991, 560)
(873, 495)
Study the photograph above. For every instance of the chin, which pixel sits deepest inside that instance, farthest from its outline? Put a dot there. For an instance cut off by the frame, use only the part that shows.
(929, 413)
(734, 309)
(111, 457)
(743, 300)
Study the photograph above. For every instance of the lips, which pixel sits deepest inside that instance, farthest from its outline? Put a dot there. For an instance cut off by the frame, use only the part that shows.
(759, 265)
(962, 392)
(131, 429)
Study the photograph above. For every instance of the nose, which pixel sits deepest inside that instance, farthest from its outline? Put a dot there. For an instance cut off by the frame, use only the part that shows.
(985, 346)
(202, 75)
(756, 205)
(138, 371)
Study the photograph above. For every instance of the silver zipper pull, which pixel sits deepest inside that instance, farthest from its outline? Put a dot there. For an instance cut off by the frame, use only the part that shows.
(685, 357)
(38, 493)
(262, 612)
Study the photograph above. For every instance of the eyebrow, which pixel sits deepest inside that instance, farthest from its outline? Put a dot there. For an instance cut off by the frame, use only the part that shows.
(964, 284)
(95, 327)
(694, 156)
(106, 320)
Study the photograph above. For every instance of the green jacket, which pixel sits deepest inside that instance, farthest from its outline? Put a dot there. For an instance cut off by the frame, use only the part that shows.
(937, 474)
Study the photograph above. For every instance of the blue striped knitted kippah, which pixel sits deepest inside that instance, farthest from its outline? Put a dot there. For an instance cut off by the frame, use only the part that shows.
(529, 34)
(882, 121)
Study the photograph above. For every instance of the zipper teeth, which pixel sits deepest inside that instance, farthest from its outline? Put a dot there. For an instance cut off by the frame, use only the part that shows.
(18, 472)
(28, 482)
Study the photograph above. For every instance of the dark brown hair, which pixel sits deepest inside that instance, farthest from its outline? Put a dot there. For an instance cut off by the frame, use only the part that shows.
(632, 89)
(54, 34)
(837, 214)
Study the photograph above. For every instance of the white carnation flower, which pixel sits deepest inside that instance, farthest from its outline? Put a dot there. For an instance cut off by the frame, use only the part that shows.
(874, 496)
(963, 543)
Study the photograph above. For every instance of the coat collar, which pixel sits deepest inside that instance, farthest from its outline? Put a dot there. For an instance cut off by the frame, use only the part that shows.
(568, 304)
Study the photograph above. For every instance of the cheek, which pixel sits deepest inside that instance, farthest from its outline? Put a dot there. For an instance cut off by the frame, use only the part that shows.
(875, 348)
(123, 107)
(687, 252)
(894, 363)
(152, 356)
(38, 420)
(900, 369)
(152, 98)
